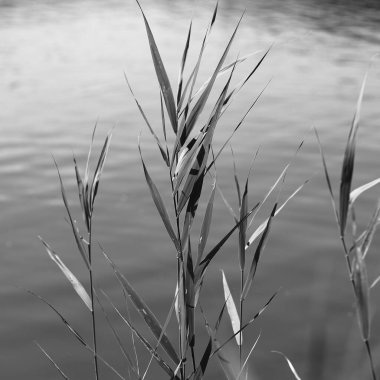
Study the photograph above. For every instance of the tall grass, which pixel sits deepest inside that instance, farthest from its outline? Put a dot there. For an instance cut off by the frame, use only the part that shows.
(191, 170)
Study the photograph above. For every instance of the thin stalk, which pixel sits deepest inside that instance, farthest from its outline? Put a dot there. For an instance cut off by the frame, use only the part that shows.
(369, 352)
(179, 263)
(92, 303)
(366, 342)
(241, 315)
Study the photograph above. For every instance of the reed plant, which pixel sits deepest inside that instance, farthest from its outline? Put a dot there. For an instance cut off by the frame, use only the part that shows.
(191, 166)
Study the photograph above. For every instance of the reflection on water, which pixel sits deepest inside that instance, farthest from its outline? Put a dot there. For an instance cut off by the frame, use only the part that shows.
(62, 67)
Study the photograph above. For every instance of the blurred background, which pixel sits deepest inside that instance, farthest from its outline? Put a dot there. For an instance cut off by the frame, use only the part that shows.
(62, 66)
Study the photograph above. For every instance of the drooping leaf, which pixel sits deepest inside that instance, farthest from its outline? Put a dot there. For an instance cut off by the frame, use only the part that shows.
(76, 334)
(148, 316)
(348, 164)
(144, 342)
(160, 147)
(291, 366)
(52, 361)
(256, 257)
(159, 204)
(78, 287)
(162, 76)
(77, 237)
(232, 311)
(361, 189)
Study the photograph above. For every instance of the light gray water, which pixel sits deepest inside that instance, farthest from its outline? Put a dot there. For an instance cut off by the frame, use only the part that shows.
(62, 67)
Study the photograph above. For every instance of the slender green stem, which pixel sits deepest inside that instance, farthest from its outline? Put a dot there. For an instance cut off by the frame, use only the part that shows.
(369, 352)
(92, 304)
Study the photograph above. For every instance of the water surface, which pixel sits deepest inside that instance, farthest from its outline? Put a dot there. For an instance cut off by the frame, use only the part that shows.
(62, 69)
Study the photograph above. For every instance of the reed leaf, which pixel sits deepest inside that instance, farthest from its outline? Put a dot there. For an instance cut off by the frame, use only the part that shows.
(52, 361)
(77, 237)
(194, 74)
(199, 105)
(291, 366)
(232, 311)
(183, 62)
(148, 316)
(247, 358)
(204, 361)
(256, 257)
(348, 164)
(81, 194)
(144, 342)
(361, 189)
(253, 319)
(99, 169)
(159, 204)
(162, 77)
(190, 298)
(206, 261)
(193, 185)
(236, 128)
(205, 229)
(78, 287)
(370, 231)
(261, 228)
(160, 147)
(361, 287)
(327, 177)
(236, 179)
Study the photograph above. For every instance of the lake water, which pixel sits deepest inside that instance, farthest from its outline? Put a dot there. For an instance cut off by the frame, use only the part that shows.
(62, 67)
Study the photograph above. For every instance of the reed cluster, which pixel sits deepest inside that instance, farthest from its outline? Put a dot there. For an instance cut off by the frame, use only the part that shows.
(191, 163)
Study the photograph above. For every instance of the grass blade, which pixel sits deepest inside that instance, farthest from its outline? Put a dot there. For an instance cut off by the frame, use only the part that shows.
(205, 229)
(247, 358)
(206, 261)
(361, 189)
(77, 237)
(52, 361)
(348, 164)
(294, 372)
(99, 169)
(159, 203)
(183, 62)
(256, 257)
(148, 316)
(232, 311)
(261, 228)
(78, 287)
(198, 107)
(370, 231)
(162, 77)
(204, 361)
(327, 177)
(361, 287)
(162, 151)
(253, 319)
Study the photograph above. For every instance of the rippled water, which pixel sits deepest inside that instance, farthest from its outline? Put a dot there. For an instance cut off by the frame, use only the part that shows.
(62, 68)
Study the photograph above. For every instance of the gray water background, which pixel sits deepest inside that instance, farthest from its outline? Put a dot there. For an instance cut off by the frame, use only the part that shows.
(62, 67)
